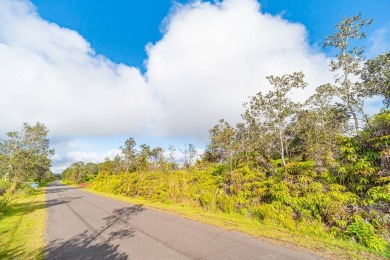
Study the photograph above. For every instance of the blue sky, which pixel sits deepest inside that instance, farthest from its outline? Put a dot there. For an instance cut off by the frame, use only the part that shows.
(121, 29)
(97, 72)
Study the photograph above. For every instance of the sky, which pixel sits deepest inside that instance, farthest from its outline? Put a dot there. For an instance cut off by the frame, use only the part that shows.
(97, 72)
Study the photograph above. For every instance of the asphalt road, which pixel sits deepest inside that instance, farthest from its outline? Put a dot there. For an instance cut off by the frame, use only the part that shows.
(82, 225)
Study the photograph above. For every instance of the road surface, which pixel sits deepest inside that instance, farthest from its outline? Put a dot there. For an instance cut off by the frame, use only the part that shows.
(82, 225)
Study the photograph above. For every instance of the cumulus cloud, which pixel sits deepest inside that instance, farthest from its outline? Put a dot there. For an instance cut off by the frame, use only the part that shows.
(51, 74)
(211, 57)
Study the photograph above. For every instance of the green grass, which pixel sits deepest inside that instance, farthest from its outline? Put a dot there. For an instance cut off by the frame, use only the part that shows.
(22, 227)
(321, 244)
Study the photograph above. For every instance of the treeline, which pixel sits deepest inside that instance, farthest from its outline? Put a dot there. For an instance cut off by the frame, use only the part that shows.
(319, 167)
(132, 159)
(25, 155)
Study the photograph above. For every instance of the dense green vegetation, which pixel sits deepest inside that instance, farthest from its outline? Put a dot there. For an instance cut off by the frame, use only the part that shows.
(24, 157)
(321, 167)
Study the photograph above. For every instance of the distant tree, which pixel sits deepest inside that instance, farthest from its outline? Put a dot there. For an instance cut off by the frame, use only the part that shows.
(171, 157)
(143, 157)
(221, 146)
(191, 154)
(276, 108)
(157, 155)
(185, 159)
(129, 154)
(112, 166)
(348, 65)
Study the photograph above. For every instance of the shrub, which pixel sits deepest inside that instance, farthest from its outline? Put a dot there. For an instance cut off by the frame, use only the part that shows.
(206, 200)
(4, 202)
(4, 186)
(224, 202)
(364, 233)
(275, 213)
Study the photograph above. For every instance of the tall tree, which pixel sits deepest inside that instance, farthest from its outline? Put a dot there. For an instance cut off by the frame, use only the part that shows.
(191, 154)
(171, 157)
(347, 65)
(276, 108)
(129, 153)
(157, 155)
(143, 157)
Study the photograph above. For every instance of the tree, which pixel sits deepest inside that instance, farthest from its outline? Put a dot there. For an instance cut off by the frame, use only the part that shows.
(221, 146)
(157, 155)
(171, 158)
(191, 154)
(276, 108)
(348, 64)
(143, 157)
(318, 126)
(129, 153)
(26, 154)
(376, 77)
(253, 138)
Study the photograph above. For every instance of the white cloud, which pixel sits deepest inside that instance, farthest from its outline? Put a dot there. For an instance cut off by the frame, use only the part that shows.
(75, 150)
(210, 59)
(50, 74)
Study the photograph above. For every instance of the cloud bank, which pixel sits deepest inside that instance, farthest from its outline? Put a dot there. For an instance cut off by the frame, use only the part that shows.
(211, 57)
(52, 75)
(209, 60)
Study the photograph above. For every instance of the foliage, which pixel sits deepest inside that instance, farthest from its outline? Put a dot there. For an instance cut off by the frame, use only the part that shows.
(376, 77)
(364, 233)
(348, 65)
(275, 108)
(290, 165)
(4, 201)
(25, 155)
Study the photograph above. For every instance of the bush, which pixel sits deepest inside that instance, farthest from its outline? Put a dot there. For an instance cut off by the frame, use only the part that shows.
(224, 202)
(4, 202)
(4, 186)
(364, 233)
(275, 213)
(206, 200)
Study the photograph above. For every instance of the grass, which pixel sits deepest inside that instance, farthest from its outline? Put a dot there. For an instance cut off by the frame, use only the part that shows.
(22, 227)
(323, 244)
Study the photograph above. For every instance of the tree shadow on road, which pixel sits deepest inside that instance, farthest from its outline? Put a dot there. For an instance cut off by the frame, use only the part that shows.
(58, 190)
(96, 245)
(59, 201)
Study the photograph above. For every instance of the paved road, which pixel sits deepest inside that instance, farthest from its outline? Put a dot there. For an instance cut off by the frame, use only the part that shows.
(82, 225)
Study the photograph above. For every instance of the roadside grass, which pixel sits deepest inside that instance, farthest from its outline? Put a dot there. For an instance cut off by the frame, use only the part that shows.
(22, 227)
(321, 244)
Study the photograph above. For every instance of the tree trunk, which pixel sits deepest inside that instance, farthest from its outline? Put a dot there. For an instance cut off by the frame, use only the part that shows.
(281, 146)
(355, 119)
